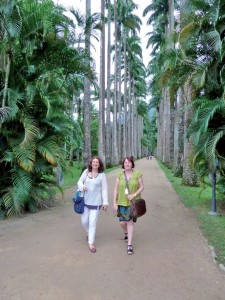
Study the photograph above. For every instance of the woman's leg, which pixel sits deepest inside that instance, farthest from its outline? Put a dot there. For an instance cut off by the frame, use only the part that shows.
(130, 229)
(93, 217)
(85, 219)
(123, 224)
(124, 227)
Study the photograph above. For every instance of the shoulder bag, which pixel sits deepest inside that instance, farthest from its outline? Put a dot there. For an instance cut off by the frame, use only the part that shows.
(78, 201)
(138, 207)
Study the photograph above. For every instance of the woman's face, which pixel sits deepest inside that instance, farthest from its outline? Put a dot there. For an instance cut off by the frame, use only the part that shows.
(95, 164)
(127, 164)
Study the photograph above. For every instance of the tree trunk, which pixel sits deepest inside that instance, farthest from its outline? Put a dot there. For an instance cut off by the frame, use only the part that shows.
(101, 133)
(129, 123)
(178, 136)
(120, 144)
(87, 97)
(108, 106)
(160, 115)
(134, 122)
(189, 176)
(125, 97)
(115, 142)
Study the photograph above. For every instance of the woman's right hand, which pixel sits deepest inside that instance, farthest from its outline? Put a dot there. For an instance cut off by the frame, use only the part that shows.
(115, 206)
(84, 188)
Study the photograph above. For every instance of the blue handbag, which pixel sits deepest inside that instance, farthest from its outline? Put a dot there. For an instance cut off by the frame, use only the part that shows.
(78, 202)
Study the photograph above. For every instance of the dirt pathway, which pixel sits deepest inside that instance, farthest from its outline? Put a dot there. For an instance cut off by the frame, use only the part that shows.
(44, 256)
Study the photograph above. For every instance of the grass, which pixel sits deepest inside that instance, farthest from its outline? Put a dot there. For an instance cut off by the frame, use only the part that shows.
(73, 173)
(71, 176)
(199, 200)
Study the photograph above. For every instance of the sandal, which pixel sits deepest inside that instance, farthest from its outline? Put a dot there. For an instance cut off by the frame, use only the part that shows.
(129, 249)
(126, 236)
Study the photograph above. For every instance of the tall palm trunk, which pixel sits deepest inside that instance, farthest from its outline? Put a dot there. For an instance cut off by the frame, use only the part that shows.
(134, 122)
(129, 127)
(115, 141)
(125, 97)
(189, 176)
(160, 124)
(108, 106)
(178, 135)
(168, 108)
(120, 144)
(101, 134)
(87, 94)
(140, 135)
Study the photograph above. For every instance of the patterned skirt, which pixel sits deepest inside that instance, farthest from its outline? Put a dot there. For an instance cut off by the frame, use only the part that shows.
(124, 213)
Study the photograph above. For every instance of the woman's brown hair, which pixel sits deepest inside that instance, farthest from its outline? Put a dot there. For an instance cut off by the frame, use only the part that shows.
(130, 159)
(101, 166)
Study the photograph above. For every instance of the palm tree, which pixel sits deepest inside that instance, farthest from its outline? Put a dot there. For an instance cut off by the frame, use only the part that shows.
(10, 27)
(108, 105)
(129, 23)
(136, 74)
(115, 157)
(101, 131)
(159, 19)
(87, 88)
(43, 70)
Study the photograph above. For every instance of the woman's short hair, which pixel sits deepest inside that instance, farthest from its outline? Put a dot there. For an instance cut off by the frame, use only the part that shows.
(130, 159)
(101, 166)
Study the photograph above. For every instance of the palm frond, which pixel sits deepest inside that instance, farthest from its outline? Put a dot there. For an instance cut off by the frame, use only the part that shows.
(49, 150)
(31, 131)
(214, 41)
(25, 156)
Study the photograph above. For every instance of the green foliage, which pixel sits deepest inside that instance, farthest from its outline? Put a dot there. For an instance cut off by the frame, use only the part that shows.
(208, 131)
(193, 56)
(71, 175)
(38, 83)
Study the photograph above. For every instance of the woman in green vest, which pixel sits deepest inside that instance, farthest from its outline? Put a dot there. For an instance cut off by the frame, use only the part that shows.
(124, 193)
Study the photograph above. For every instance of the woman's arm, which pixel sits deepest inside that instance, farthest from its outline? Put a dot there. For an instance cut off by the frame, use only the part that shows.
(141, 186)
(138, 191)
(81, 180)
(104, 191)
(115, 193)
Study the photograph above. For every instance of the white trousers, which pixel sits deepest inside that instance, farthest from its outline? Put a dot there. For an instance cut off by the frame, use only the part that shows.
(89, 220)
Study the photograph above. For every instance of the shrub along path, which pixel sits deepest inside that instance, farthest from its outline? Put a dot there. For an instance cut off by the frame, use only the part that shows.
(44, 256)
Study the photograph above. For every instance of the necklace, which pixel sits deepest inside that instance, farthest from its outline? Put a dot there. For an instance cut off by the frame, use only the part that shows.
(128, 174)
(94, 174)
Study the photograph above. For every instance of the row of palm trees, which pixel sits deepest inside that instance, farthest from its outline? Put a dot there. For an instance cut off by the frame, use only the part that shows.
(47, 75)
(123, 136)
(187, 69)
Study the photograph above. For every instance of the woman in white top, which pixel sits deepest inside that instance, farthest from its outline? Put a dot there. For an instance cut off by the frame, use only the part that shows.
(94, 185)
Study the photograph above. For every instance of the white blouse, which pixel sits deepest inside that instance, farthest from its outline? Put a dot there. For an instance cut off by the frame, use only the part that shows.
(97, 189)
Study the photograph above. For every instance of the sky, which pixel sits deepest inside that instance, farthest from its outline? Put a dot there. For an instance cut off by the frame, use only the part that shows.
(95, 7)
